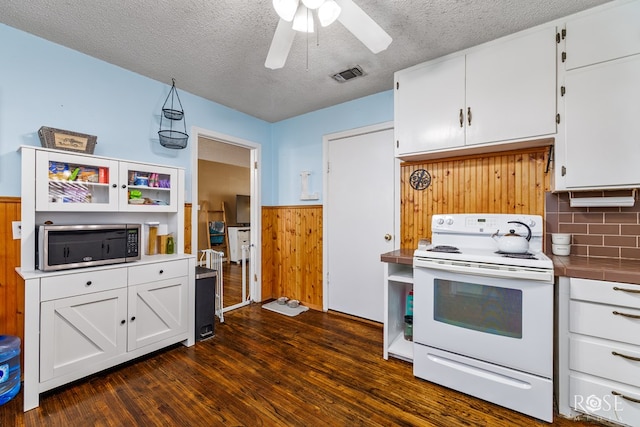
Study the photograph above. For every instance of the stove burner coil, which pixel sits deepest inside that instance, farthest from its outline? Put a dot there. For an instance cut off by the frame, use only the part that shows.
(444, 248)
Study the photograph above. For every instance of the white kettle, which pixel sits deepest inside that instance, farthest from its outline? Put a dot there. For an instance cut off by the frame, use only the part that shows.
(513, 243)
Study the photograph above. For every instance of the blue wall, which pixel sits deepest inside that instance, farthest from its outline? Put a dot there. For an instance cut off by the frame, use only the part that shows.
(45, 84)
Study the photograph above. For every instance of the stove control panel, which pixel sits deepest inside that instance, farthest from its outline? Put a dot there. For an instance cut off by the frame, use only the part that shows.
(483, 223)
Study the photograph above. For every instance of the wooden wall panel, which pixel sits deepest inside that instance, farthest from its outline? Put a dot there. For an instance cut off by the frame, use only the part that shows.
(187, 228)
(11, 284)
(292, 253)
(506, 182)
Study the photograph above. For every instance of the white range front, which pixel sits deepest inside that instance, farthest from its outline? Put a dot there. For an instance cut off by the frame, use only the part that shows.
(483, 321)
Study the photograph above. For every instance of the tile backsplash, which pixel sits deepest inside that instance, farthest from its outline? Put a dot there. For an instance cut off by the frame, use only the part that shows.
(605, 232)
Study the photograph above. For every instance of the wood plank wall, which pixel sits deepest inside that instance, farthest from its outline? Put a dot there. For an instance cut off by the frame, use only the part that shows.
(506, 182)
(292, 253)
(11, 284)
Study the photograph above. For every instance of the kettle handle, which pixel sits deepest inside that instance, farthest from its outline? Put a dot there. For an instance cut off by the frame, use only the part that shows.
(522, 223)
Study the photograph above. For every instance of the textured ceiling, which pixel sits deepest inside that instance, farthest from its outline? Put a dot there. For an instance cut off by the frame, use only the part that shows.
(216, 49)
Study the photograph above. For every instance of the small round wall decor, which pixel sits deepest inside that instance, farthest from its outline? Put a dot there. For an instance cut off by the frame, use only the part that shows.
(420, 179)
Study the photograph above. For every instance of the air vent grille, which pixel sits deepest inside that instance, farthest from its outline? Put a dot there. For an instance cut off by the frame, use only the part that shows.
(348, 74)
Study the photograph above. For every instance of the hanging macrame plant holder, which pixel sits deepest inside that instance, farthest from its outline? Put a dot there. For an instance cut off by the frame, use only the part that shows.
(173, 112)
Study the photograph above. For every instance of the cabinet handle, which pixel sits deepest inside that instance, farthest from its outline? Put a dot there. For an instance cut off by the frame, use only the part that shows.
(114, 185)
(461, 118)
(630, 399)
(161, 271)
(632, 291)
(89, 283)
(632, 316)
(469, 115)
(122, 322)
(124, 186)
(133, 318)
(635, 359)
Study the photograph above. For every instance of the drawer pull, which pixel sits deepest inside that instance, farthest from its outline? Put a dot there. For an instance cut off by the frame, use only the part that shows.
(122, 322)
(133, 318)
(635, 359)
(630, 399)
(161, 271)
(633, 316)
(631, 291)
(89, 283)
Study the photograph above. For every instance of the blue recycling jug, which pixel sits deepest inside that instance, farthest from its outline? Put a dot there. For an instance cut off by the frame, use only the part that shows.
(9, 367)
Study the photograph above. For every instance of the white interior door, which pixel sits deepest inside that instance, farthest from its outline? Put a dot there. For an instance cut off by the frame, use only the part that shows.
(359, 220)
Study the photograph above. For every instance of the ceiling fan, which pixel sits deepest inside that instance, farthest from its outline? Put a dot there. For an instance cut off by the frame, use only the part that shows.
(298, 15)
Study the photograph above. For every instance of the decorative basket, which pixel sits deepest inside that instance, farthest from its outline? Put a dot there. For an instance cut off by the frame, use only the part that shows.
(169, 137)
(67, 140)
(173, 139)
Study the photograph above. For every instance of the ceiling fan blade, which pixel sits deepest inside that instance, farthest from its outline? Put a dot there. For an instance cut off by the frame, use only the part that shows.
(280, 45)
(363, 27)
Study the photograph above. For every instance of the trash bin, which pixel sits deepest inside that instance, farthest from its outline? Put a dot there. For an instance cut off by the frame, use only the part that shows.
(9, 367)
(205, 302)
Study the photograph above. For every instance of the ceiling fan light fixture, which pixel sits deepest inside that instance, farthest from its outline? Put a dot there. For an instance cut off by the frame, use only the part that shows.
(303, 21)
(313, 4)
(286, 9)
(328, 12)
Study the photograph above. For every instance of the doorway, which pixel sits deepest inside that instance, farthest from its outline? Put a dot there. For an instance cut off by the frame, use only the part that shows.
(233, 158)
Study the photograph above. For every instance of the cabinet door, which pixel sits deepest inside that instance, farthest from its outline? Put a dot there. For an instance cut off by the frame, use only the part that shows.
(429, 107)
(145, 188)
(511, 89)
(68, 182)
(78, 333)
(603, 35)
(157, 310)
(602, 132)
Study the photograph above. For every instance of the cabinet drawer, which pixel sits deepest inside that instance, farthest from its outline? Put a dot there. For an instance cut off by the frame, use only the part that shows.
(605, 359)
(82, 283)
(602, 321)
(621, 294)
(159, 271)
(605, 399)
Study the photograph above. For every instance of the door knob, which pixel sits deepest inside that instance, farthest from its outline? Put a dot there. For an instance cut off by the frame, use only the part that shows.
(387, 237)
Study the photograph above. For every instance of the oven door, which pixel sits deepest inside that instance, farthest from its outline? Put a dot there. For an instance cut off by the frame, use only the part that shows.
(504, 321)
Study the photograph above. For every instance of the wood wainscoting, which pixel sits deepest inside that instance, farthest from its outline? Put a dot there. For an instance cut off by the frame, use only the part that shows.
(292, 253)
(506, 182)
(11, 284)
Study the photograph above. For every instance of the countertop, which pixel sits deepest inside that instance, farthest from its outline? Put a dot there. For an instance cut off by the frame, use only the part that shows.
(609, 269)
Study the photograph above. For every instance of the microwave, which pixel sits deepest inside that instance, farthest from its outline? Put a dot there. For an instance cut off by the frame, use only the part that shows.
(61, 247)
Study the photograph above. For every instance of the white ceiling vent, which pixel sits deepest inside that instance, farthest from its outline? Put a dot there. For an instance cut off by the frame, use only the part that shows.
(348, 74)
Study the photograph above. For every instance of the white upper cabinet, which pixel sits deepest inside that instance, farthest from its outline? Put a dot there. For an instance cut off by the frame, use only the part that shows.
(598, 145)
(603, 36)
(429, 102)
(494, 93)
(83, 183)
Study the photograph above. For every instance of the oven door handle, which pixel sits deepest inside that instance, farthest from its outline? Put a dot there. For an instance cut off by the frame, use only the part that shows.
(489, 270)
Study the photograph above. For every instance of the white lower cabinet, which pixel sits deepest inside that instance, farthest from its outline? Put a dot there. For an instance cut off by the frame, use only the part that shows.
(92, 320)
(599, 350)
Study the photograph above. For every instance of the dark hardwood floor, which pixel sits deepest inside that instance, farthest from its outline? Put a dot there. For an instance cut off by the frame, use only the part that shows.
(265, 369)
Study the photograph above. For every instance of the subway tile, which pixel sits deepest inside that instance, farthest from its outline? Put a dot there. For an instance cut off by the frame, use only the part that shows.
(620, 218)
(551, 202)
(573, 228)
(565, 217)
(551, 222)
(589, 218)
(621, 241)
(631, 253)
(603, 251)
(603, 209)
(579, 250)
(587, 239)
(630, 230)
(611, 229)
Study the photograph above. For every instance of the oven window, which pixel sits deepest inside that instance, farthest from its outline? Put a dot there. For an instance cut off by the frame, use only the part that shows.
(481, 308)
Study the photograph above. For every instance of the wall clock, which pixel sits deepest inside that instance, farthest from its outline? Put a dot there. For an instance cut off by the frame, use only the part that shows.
(420, 179)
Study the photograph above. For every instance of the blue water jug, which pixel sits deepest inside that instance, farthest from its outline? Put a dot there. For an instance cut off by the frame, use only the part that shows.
(9, 367)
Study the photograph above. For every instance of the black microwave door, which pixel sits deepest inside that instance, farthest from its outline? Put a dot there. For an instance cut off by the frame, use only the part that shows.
(82, 247)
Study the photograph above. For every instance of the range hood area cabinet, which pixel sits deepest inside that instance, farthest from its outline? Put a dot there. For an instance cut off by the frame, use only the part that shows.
(598, 138)
(494, 93)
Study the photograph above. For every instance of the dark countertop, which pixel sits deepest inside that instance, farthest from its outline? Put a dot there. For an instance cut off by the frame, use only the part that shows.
(609, 269)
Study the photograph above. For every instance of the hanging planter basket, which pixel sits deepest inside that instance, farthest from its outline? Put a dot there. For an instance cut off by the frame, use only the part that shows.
(172, 111)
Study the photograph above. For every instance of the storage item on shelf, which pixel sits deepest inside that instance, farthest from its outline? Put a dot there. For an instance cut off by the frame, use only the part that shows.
(67, 140)
(9, 367)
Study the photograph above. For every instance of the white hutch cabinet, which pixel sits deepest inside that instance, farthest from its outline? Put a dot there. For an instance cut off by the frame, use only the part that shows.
(81, 321)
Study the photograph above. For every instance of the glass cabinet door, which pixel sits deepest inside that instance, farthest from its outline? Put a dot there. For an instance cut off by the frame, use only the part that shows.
(68, 182)
(148, 188)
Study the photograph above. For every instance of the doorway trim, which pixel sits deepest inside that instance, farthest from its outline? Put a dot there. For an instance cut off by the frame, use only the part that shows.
(325, 184)
(255, 149)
